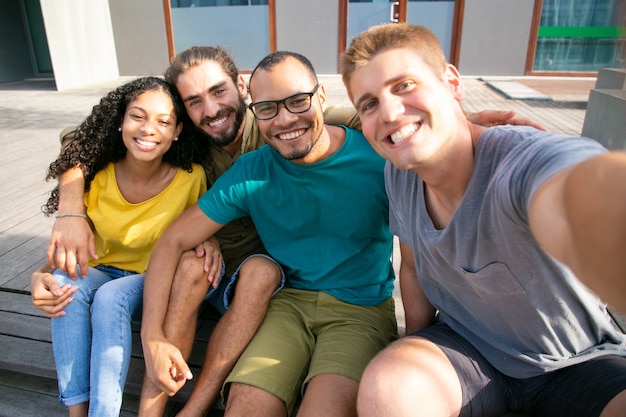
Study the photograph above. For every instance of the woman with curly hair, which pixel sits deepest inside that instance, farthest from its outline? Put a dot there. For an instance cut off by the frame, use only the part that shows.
(140, 176)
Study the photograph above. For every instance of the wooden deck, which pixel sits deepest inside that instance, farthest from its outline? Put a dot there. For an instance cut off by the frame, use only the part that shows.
(32, 113)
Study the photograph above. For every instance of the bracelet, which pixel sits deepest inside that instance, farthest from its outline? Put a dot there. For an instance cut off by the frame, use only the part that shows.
(58, 216)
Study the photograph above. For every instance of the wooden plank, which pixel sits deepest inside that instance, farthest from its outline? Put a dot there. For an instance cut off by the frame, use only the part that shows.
(31, 396)
(18, 303)
(22, 399)
(23, 258)
(25, 327)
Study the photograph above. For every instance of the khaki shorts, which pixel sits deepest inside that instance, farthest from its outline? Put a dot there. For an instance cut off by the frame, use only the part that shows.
(308, 333)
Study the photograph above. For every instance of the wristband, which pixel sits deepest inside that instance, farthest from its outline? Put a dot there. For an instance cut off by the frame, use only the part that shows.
(58, 216)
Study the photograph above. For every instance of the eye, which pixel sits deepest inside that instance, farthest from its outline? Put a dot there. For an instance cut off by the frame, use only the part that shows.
(299, 101)
(136, 116)
(165, 122)
(193, 103)
(404, 87)
(265, 108)
(220, 91)
(368, 106)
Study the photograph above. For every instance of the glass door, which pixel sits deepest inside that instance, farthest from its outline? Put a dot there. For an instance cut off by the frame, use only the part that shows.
(365, 13)
(436, 15)
(241, 26)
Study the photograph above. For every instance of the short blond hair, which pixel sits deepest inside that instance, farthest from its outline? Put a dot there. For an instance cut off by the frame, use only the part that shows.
(382, 38)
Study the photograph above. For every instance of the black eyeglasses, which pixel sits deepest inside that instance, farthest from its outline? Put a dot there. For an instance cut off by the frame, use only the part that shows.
(298, 103)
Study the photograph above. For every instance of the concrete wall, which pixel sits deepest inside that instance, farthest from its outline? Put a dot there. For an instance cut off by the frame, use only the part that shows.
(140, 36)
(604, 118)
(15, 61)
(495, 37)
(310, 28)
(80, 39)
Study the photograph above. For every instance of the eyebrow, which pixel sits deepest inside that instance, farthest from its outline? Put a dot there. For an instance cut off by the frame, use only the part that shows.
(171, 114)
(210, 90)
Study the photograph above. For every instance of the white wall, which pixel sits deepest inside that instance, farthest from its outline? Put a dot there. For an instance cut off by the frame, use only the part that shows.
(310, 28)
(140, 36)
(495, 37)
(81, 43)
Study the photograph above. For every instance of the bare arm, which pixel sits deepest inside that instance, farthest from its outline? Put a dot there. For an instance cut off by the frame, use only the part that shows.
(165, 365)
(72, 240)
(501, 117)
(418, 311)
(579, 217)
(338, 115)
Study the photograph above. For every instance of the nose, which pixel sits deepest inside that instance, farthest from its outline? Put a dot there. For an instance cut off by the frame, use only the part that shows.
(390, 107)
(284, 116)
(211, 108)
(148, 126)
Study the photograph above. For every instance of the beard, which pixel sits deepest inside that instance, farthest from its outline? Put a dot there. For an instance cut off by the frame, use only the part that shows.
(295, 153)
(227, 137)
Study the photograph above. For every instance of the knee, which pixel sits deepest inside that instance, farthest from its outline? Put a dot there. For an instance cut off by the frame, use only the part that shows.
(190, 274)
(258, 278)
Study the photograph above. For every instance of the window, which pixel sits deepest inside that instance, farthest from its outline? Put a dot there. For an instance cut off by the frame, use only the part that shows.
(580, 35)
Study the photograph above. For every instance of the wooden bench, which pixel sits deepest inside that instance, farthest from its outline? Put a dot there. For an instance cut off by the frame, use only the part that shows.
(26, 343)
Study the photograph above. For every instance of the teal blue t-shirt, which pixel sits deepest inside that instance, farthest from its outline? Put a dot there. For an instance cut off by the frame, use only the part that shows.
(326, 223)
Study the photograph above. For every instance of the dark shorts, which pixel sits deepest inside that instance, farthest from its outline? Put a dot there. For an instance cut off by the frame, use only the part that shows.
(581, 390)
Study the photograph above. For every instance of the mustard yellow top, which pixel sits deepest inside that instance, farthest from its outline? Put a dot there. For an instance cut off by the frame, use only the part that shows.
(125, 233)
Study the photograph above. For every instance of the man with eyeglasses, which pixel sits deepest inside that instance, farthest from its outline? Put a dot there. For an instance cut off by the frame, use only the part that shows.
(317, 198)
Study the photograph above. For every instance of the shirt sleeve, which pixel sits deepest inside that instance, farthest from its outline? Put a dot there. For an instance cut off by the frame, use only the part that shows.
(225, 201)
(528, 167)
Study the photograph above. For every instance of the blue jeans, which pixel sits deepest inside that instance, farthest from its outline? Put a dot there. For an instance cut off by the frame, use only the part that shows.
(92, 341)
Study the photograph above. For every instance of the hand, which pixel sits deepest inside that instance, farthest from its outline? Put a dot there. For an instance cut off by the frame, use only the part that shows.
(212, 253)
(71, 243)
(165, 366)
(502, 117)
(47, 295)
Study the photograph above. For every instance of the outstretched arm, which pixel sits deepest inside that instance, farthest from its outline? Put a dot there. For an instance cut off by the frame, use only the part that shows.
(418, 311)
(165, 365)
(579, 217)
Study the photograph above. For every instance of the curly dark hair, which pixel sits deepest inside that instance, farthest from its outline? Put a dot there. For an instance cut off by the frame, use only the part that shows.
(97, 141)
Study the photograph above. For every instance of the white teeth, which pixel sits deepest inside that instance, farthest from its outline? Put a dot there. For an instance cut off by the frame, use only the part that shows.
(146, 143)
(404, 133)
(291, 135)
(218, 122)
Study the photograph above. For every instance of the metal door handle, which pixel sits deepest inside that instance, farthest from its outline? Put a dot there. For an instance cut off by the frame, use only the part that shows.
(394, 12)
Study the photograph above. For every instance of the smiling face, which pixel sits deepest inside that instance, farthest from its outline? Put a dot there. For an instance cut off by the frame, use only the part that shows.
(213, 102)
(149, 126)
(295, 137)
(409, 114)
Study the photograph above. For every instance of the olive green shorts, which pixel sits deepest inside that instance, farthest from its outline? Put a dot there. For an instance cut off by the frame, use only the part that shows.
(308, 333)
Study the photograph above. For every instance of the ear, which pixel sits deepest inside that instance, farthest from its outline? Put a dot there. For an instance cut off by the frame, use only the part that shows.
(453, 79)
(321, 91)
(241, 86)
(179, 128)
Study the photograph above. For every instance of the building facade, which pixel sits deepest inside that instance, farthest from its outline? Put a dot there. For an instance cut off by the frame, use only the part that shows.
(81, 42)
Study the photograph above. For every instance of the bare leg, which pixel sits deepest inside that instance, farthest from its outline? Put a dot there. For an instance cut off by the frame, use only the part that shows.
(616, 407)
(329, 395)
(412, 377)
(78, 410)
(258, 278)
(189, 288)
(246, 400)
